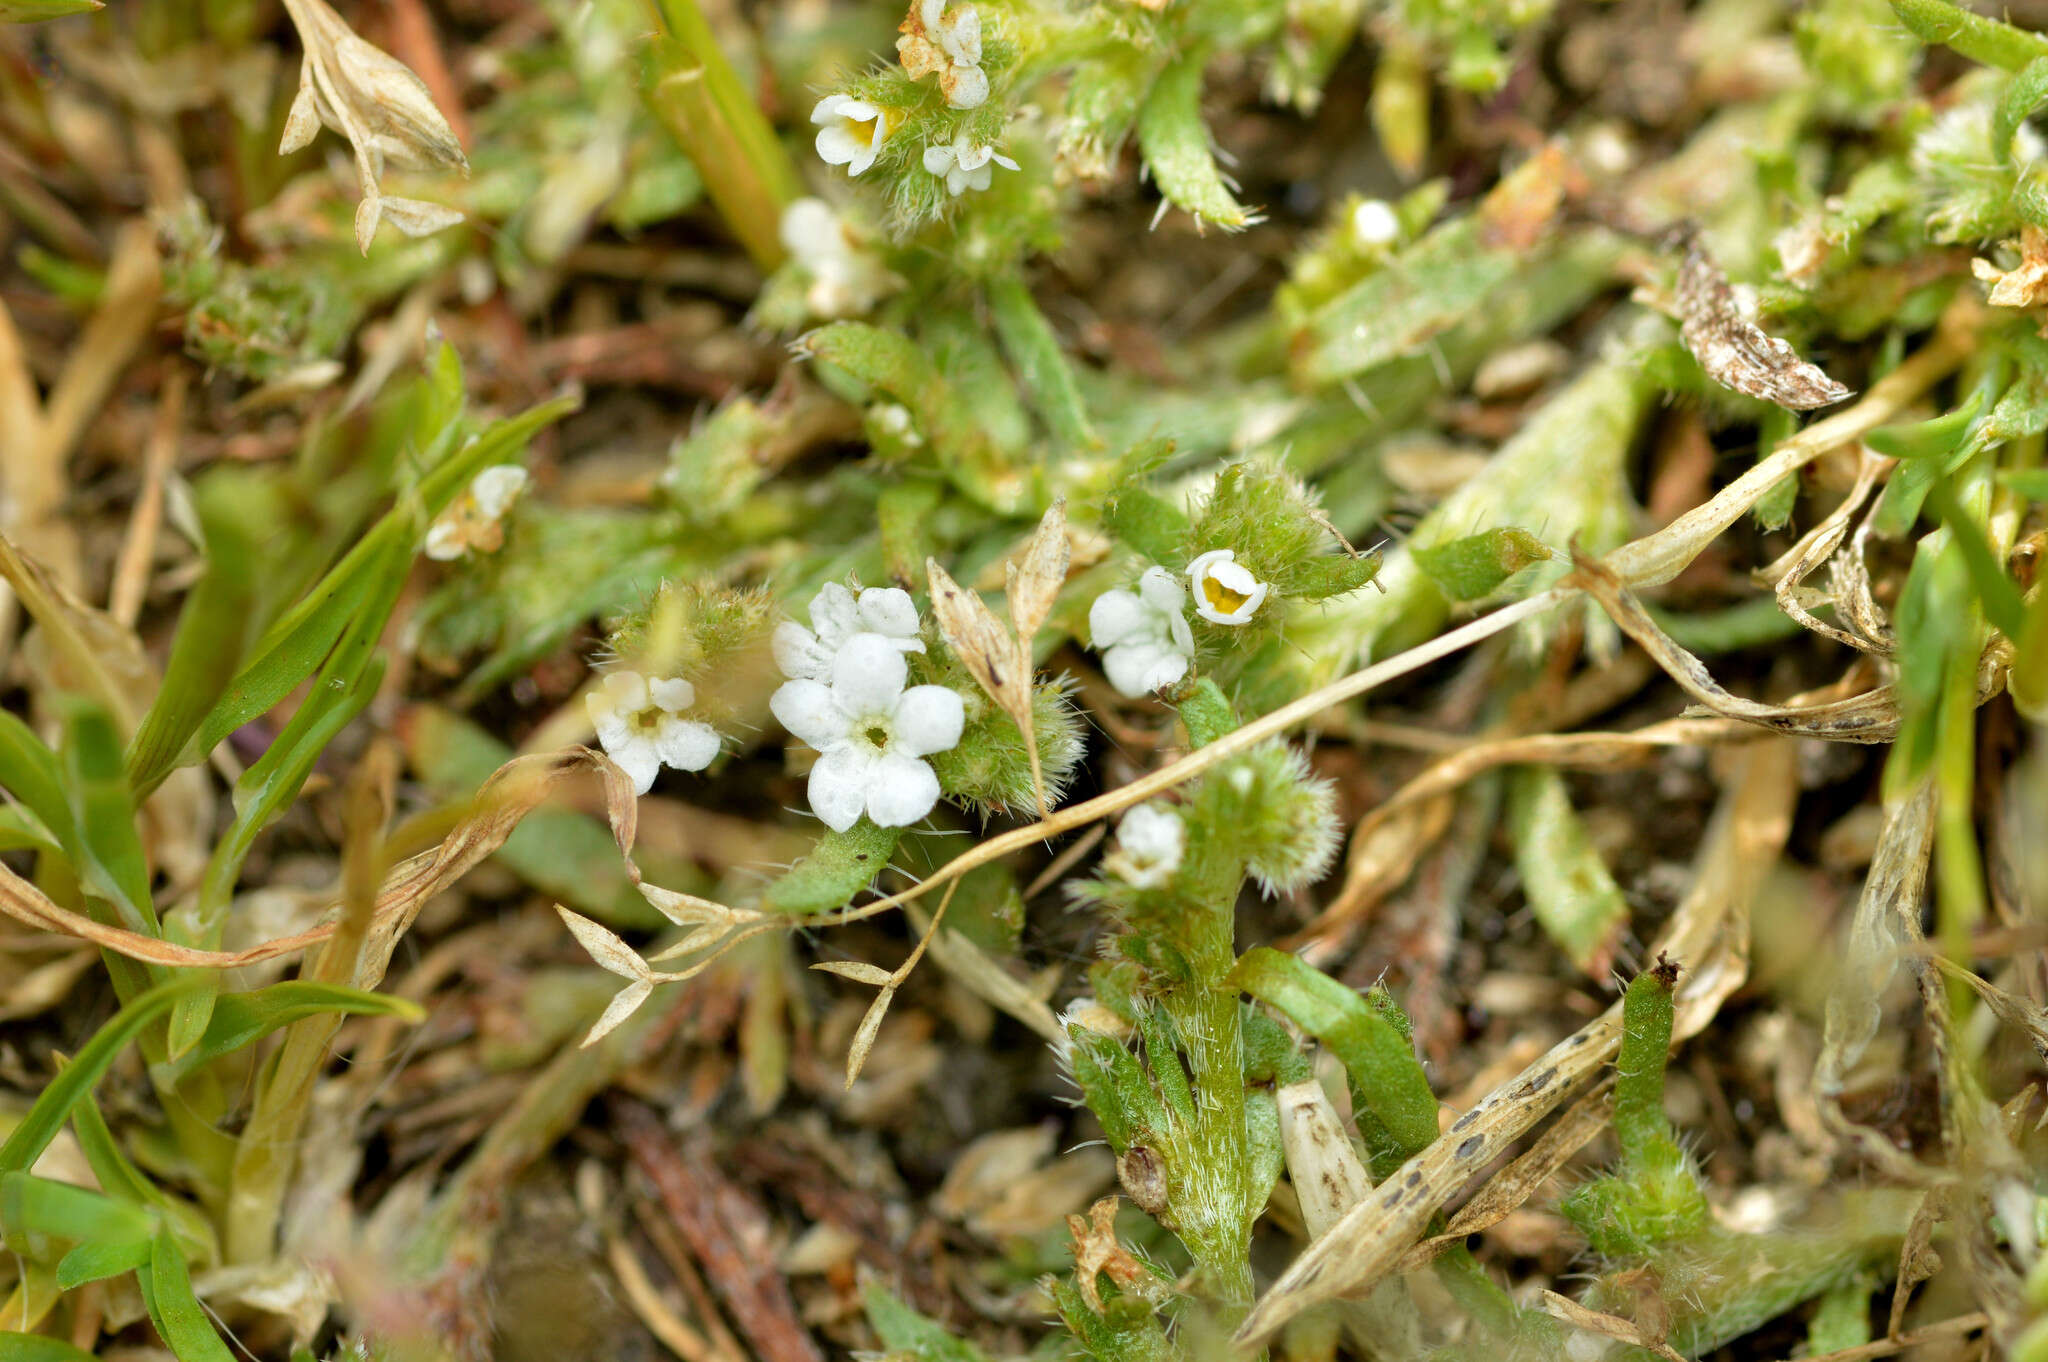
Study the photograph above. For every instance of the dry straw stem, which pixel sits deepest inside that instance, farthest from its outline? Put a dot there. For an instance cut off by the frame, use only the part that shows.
(1709, 933)
(1611, 1326)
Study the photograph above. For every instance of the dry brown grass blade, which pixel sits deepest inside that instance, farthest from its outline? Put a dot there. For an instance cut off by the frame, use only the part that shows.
(1612, 1326)
(138, 548)
(512, 792)
(1898, 1342)
(1818, 545)
(87, 650)
(1507, 1191)
(1709, 933)
(1885, 927)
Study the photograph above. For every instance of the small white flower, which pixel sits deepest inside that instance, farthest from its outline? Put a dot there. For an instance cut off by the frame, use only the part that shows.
(1151, 840)
(964, 165)
(838, 617)
(1374, 222)
(872, 735)
(851, 131)
(640, 724)
(949, 46)
(1143, 635)
(473, 520)
(1224, 592)
(844, 279)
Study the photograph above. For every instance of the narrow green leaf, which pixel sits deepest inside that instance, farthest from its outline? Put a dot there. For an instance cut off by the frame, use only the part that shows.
(1646, 1019)
(1176, 145)
(1980, 39)
(1029, 341)
(32, 774)
(174, 1308)
(241, 1019)
(54, 1104)
(838, 867)
(1475, 566)
(111, 863)
(1380, 1060)
(1569, 888)
(39, 1348)
(92, 1262)
(36, 11)
(35, 1205)
(213, 635)
(2027, 92)
(906, 1333)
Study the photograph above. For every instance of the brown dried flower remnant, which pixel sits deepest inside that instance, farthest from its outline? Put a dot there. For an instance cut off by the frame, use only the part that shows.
(1097, 1251)
(1735, 351)
(381, 107)
(935, 42)
(2026, 285)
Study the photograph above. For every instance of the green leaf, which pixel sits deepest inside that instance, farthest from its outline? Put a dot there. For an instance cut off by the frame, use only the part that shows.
(1029, 341)
(34, 1205)
(36, 11)
(31, 773)
(175, 1309)
(1569, 888)
(1997, 592)
(1646, 1019)
(2027, 92)
(1380, 1060)
(1980, 39)
(53, 1105)
(241, 1019)
(838, 867)
(907, 1334)
(39, 1348)
(94, 1262)
(2031, 483)
(213, 635)
(109, 855)
(1176, 145)
(1147, 522)
(1475, 566)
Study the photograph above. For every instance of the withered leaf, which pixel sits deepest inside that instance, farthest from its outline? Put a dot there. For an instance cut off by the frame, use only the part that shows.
(1735, 351)
(974, 633)
(624, 1004)
(1035, 581)
(860, 971)
(864, 1038)
(604, 946)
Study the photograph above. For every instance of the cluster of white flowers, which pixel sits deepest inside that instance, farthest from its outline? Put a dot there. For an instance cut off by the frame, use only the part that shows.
(473, 522)
(1143, 635)
(948, 46)
(1150, 841)
(640, 724)
(964, 165)
(845, 280)
(848, 696)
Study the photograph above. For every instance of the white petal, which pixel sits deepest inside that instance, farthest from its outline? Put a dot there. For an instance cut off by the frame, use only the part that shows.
(687, 745)
(888, 610)
(445, 540)
(827, 109)
(981, 177)
(495, 489)
(672, 693)
(799, 653)
(968, 88)
(938, 160)
(1114, 617)
(928, 720)
(810, 229)
(1005, 162)
(961, 39)
(1183, 635)
(638, 759)
(901, 791)
(805, 708)
(1154, 832)
(834, 616)
(970, 157)
(868, 676)
(837, 146)
(1203, 563)
(1234, 577)
(627, 690)
(839, 787)
(1140, 668)
(1375, 223)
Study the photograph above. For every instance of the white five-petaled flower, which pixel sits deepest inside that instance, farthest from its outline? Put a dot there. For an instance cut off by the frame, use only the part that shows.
(1143, 635)
(473, 522)
(963, 165)
(949, 45)
(1149, 844)
(851, 131)
(640, 724)
(1375, 223)
(844, 278)
(872, 735)
(837, 617)
(1225, 593)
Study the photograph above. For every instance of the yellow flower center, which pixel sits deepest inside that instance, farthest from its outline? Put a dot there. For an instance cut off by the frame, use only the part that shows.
(1222, 599)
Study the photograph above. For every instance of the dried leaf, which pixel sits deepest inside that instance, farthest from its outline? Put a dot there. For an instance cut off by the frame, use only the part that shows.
(1035, 581)
(1735, 351)
(981, 642)
(864, 1038)
(860, 971)
(1097, 1251)
(604, 946)
(1328, 1176)
(2026, 285)
(624, 1004)
(1613, 1326)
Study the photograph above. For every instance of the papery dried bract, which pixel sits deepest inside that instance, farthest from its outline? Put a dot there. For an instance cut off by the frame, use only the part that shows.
(1034, 582)
(1735, 351)
(980, 641)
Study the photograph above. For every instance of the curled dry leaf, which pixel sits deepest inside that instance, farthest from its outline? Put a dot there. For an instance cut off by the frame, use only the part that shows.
(382, 108)
(1097, 1251)
(1735, 351)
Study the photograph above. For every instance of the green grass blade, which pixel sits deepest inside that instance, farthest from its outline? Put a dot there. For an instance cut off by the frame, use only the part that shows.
(175, 1309)
(240, 1019)
(39, 1348)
